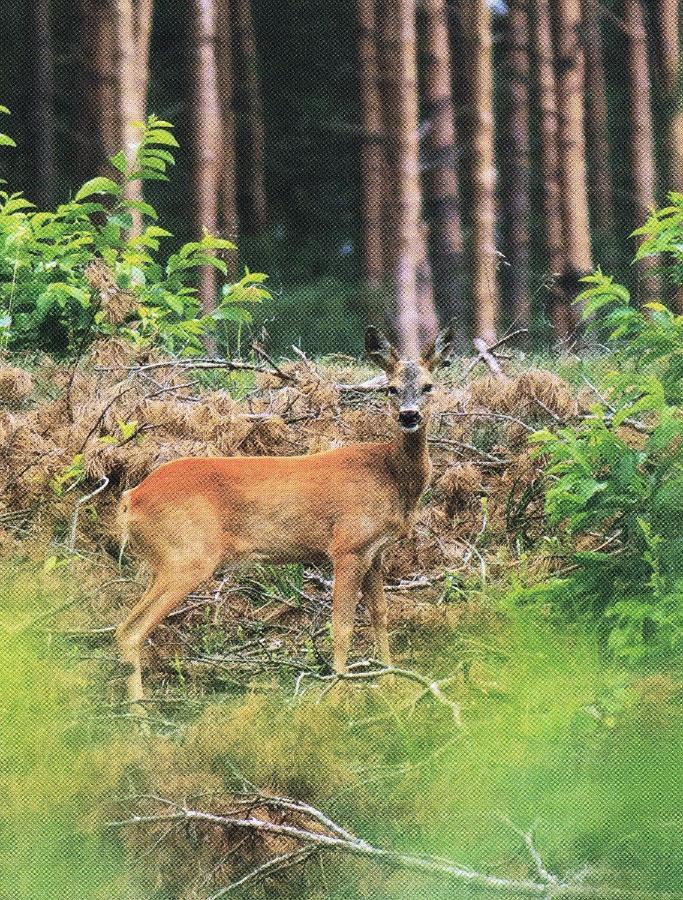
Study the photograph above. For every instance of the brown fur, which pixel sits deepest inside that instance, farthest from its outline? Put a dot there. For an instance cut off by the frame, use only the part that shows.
(345, 505)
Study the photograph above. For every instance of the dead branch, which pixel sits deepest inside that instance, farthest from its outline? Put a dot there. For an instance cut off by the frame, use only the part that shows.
(380, 671)
(335, 837)
(103, 483)
(200, 363)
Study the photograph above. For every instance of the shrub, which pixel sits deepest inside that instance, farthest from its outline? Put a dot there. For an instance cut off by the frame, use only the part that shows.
(52, 299)
(619, 474)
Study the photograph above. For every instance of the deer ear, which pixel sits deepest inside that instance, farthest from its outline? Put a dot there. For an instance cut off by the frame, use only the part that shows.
(379, 350)
(439, 351)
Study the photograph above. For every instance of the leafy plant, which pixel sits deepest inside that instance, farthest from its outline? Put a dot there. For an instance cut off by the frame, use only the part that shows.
(617, 478)
(46, 299)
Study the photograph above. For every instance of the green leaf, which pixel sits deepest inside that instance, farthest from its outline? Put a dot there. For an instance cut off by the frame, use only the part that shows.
(160, 136)
(119, 161)
(99, 185)
(6, 141)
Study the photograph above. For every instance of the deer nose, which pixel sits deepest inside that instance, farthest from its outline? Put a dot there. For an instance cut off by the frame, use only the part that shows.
(409, 418)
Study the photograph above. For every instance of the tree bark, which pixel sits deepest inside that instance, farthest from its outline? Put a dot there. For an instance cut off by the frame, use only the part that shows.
(572, 144)
(227, 217)
(668, 19)
(408, 237)
(206, 135)
(484, 256)
(643, 170)
(517, 158)
(442, 179)
(372, 162)
(256, 212)
(546, 93)
(134, 26)
(38, 104)
(102, 125)
(600, 179)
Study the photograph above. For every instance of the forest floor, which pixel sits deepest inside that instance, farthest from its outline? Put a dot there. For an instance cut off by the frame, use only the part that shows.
(564, 772)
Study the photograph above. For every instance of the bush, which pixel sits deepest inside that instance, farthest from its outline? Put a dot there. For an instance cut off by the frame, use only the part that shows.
(68, 276)
(619, 474)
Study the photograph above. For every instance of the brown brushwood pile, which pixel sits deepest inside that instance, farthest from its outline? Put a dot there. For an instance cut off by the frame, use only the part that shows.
(119, 415)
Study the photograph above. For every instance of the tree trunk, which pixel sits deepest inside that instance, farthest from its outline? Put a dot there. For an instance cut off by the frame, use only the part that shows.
(442, 180)
(572, 144)
(546, 93)
(206, 135)
(668, 19)
(597, 135)
(38, 104)
(227, 189)
(408, 237)
(484, 257)
(644, 177)
(668, 27)
(134, 21)
(372, 162)
(256, 212)
(517, 160)
(102, 126)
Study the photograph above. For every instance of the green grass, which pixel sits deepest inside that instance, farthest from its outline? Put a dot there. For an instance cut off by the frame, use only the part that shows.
(586, 753)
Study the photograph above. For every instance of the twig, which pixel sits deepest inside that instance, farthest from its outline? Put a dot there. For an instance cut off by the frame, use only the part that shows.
(103, 483)
(486, 356)
(431, 687)
(277, 864)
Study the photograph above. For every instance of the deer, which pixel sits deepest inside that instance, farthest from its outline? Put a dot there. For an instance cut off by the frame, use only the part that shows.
(343, 506)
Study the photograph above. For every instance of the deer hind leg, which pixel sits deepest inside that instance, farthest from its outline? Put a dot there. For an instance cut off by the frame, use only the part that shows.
(349, 572)
(376, 601)
(167, 591)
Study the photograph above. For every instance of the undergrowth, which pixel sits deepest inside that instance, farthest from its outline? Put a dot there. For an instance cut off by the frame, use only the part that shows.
(556, 739)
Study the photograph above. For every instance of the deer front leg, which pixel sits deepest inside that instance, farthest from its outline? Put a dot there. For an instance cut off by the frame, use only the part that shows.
(349, 571)
(376, 601)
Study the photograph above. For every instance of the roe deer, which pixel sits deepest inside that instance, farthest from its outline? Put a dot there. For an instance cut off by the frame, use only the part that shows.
(344, 505)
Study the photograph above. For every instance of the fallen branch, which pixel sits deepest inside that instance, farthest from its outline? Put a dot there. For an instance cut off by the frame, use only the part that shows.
(430, 686)
(204, 363)
(335, 837)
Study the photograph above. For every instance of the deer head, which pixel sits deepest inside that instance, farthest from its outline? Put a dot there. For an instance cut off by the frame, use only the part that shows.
(410, 381)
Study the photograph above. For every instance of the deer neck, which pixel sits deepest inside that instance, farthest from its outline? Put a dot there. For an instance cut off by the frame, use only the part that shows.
(411, 466)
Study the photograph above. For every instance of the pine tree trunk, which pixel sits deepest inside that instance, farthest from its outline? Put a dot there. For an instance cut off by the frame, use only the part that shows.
(102, 125)
(134, 26)
(517, 159)
(206, 135)
(38, 104)
(227, 189)
(442, 180)
(484, 256)
(600, 180)
(402, 116)
(546, 93)
(256, 212)
(572, 143)
(668, 33)
(644, 176)
(372, 163)
(668, 19)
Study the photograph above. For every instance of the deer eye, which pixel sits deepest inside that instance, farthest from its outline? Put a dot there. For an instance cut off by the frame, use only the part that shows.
(427, 388)
(392, 390)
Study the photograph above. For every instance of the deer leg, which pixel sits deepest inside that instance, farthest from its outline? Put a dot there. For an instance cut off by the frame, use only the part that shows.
(376, 601)
(349, 571)
(164, 595)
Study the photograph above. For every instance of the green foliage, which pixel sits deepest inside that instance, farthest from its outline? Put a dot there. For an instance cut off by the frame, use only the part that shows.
(619, 474)
(46, 756)
(46, 301)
